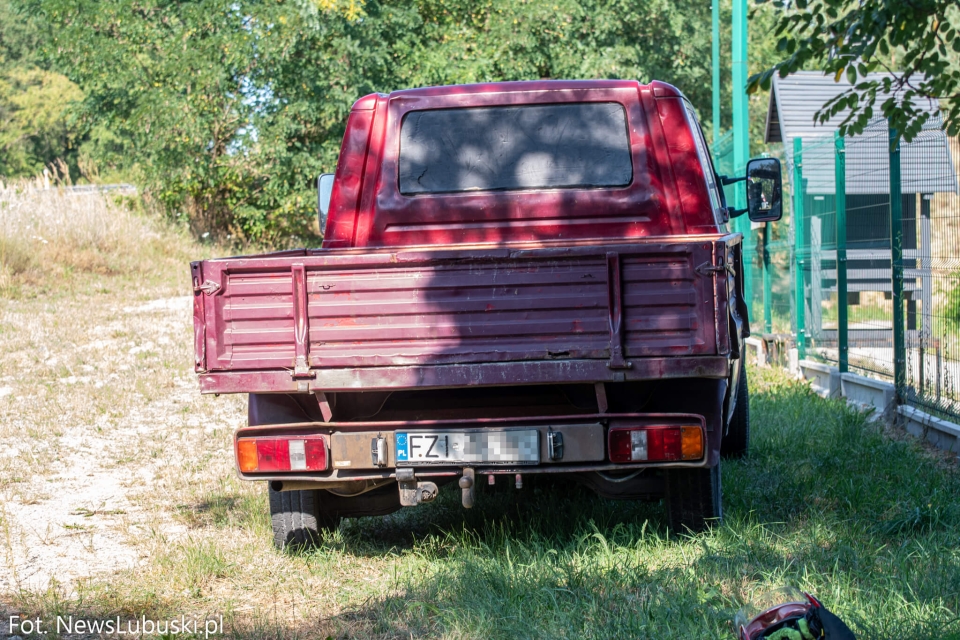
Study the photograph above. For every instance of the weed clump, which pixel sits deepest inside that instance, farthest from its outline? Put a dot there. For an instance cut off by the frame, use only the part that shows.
(50, 229)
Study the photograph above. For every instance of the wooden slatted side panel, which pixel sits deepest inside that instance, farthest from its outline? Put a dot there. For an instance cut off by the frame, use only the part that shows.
(255, 327)
(517, 307)
(668, 305)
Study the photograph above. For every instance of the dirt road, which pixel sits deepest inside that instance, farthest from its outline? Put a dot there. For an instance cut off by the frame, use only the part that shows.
(107, 432)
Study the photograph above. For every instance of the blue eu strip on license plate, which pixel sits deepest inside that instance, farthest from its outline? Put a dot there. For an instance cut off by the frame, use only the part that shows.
(403, 451)
(513, 446)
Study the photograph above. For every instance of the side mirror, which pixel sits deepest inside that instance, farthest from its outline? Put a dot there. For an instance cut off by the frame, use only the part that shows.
(764, 190)
(324, 189)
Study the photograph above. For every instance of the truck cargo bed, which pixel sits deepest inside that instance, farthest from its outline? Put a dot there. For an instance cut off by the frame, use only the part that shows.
(335, 319)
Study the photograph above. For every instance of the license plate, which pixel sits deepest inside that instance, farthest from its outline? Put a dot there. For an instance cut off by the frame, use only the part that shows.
(511, 446)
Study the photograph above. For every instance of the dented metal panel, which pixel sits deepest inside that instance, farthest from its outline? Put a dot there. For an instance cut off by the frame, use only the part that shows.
(353, 450)
(341, 310)
(465, 375)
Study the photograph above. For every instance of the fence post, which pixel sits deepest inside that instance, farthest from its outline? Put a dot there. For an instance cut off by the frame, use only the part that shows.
(840, 165)
(741, 138)
(715, 54)
(798, 242)
(767, 302)
(896, 256)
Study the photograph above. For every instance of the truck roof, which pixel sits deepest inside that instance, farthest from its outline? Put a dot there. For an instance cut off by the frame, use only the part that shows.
(519, 86)
(517, 162)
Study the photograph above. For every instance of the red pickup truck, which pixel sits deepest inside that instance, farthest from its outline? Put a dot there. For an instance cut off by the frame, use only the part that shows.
(515, 278)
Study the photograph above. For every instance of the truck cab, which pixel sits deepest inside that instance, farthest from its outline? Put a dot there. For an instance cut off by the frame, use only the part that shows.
(515, 278)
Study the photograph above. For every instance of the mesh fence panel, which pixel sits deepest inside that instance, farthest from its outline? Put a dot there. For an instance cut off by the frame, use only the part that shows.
(931, 221)
(869, 274)
(789, 269)
(819, 248)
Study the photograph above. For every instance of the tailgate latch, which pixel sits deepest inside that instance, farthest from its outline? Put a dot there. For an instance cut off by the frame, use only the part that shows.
(209, 287)
(707, 269)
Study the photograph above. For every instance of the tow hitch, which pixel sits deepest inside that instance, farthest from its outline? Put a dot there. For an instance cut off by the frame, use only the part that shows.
(413, 491)
(467, 482)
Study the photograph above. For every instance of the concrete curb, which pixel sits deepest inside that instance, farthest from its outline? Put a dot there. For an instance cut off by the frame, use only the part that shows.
(938, 432)
(879, 397)
(867, 393)
(824, 379)
(755, 351)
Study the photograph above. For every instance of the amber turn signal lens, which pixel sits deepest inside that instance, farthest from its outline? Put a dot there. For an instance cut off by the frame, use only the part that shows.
(691, 443)
(247, 455)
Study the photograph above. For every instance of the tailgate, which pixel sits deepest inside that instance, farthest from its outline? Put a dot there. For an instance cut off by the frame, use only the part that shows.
(306, 311)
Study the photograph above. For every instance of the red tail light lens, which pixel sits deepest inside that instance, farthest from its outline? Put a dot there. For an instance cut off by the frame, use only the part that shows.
(282, 454)
(655, 443)
(273, 455)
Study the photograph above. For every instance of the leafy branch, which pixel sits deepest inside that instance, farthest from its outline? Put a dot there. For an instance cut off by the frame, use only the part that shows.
(915, 41)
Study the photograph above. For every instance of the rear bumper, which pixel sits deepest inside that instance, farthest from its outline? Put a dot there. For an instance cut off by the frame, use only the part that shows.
(585, 446)
(465, 375)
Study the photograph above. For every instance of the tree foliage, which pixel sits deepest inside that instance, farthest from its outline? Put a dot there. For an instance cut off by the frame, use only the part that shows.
(35, 126)
(917, 41)
(227, 110)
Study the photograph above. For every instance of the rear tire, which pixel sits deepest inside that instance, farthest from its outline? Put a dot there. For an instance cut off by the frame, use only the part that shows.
(693, 499)
(299, 519)
(736, 442)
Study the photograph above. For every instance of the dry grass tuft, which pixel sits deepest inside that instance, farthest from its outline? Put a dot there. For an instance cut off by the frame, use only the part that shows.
(49, 229)
(118, 495)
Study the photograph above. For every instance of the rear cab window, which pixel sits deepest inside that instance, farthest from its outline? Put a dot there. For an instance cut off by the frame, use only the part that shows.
(534, 146)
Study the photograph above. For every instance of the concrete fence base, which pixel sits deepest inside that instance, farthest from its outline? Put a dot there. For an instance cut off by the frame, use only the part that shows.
(824, 379)
(755, 351)
(868, 393)
(880, 397)
(938, 432)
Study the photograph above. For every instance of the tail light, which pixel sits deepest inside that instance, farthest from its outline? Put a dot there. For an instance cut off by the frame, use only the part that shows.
(282, 453)
(656, 443)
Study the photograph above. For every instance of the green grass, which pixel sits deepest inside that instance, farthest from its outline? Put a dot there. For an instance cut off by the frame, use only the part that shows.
(826, 501)
(865, 518)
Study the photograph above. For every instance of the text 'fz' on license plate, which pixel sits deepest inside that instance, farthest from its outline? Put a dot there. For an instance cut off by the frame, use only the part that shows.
(513, 446)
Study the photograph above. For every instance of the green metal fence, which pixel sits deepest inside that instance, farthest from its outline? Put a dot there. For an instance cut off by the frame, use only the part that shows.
(767, 253)
(864, 270)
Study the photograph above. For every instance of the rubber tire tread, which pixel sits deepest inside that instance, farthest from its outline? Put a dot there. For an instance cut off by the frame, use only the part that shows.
(693, 499)
(736, 442)
(299, 519)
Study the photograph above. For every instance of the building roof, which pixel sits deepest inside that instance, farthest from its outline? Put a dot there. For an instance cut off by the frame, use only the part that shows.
(925, 163)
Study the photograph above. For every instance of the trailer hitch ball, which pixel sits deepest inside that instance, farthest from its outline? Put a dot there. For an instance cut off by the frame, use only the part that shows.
(467, 482)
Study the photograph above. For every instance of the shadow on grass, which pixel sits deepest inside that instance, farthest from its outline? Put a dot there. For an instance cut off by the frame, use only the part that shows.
(228, 507)
(547, 507)
(824, 501)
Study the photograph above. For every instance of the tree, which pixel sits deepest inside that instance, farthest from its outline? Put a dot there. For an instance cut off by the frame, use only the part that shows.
(227, 110)
(35, 127)
(915, 40)
(165, 79)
